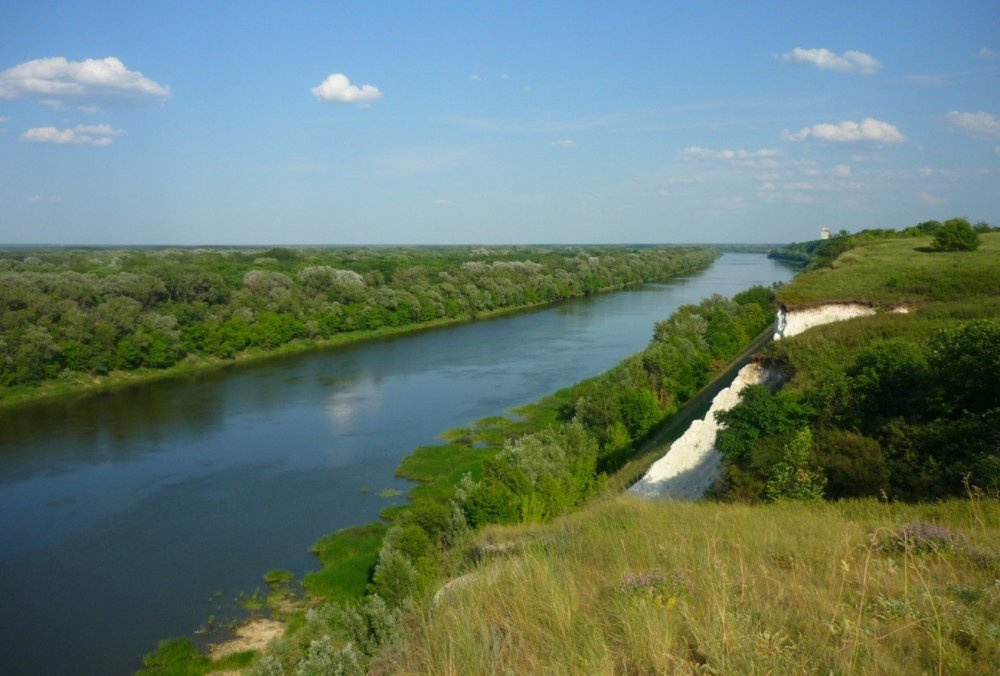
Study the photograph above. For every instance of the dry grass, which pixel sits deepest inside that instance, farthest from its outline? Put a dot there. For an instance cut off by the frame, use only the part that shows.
(636, 587)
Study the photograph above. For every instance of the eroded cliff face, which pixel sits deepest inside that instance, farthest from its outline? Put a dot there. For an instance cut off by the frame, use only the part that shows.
(692, 463)
(792, 322)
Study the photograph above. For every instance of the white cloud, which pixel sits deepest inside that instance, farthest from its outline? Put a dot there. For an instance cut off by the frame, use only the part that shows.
(90, 110)
(699, 153)
(476, 78)
(4, 118)
(339, 89)
(54, 79)
(84, 134)
(849, 62)
(869, 129)
(987, 53)
(979, 124)
(841, 171)
(565, 144)
(504, 76)
(997, 150)
(440, 202)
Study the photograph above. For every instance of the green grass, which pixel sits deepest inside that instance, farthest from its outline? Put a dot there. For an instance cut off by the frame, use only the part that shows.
(628, 586)
(180, 657)
(347, 558)
(900, 271)
(815, 355)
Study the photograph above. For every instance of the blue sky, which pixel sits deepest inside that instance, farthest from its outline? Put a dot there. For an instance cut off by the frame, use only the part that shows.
(399, 122)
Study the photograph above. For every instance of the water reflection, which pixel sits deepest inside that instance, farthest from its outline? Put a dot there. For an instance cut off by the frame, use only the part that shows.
(351, 399)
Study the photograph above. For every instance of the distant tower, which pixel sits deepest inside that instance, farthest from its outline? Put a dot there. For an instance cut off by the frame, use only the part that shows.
(824, 233)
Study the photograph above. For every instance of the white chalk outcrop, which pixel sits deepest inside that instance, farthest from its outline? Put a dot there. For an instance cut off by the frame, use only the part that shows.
(692, 463)
(793, 322)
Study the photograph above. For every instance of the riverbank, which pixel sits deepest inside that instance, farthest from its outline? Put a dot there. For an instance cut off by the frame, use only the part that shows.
(85, 385)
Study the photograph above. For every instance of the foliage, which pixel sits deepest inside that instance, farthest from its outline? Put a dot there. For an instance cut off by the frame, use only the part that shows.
(901, 405)
(957, 234)
(794, 477)
(73, 315)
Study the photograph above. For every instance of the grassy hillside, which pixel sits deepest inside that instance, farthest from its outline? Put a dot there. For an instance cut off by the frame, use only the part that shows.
(900, 271)
(640, 588)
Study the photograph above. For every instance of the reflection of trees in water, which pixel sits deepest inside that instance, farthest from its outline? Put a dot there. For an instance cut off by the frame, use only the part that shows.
(120, 422)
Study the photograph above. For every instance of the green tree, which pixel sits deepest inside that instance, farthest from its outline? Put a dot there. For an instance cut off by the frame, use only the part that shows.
(956, 235)
(792, 478)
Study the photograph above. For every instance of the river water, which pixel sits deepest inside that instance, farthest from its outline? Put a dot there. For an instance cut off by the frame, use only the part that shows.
(133, 515)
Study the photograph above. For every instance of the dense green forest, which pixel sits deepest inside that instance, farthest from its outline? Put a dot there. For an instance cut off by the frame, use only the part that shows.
(68, 316)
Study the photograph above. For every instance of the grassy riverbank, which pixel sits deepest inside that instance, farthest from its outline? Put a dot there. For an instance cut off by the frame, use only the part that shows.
(81, 384)
(77, 320)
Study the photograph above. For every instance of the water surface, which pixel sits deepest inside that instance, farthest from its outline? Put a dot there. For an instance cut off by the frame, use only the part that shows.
(123, 514)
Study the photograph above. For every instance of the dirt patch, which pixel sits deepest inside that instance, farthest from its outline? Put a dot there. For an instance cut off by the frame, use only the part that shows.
(253, 635)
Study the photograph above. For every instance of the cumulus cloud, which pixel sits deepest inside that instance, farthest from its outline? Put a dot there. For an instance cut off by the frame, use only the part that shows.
(53, 80)
(979, 124)
(987, 53)
(338, 88)
(841, 170)
(848, 62)
(565, 144)
(4, 118)
(84, 134)
(699, 153)
(997, 150)
(869, 129)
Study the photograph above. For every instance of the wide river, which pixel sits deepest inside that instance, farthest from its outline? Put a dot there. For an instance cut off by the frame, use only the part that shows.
(133, 515)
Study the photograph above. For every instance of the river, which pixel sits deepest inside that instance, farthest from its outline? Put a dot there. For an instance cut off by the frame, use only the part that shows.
(133, 515)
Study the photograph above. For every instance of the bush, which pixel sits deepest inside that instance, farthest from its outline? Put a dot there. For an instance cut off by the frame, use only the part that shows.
(956, 235)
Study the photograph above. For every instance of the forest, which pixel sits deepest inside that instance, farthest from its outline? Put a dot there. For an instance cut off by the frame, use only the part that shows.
(69, 316)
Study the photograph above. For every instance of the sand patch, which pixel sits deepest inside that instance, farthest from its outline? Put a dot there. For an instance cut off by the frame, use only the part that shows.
(254, 635)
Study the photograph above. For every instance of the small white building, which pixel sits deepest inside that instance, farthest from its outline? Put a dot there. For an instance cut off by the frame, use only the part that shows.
(824, 233)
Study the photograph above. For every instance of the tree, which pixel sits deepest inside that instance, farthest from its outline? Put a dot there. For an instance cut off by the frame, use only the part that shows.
(956, 235)
(792, 478)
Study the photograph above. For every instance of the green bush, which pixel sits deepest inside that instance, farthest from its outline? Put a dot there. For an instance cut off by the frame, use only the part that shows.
(957, 234)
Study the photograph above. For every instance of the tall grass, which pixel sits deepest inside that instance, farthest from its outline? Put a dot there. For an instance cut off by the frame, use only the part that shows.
(637, 587)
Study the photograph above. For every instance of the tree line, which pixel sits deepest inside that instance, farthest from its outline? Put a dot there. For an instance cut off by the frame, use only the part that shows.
(67, 314)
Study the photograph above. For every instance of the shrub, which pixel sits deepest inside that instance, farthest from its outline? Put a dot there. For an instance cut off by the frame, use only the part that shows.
(792, 478)
(956, 235)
